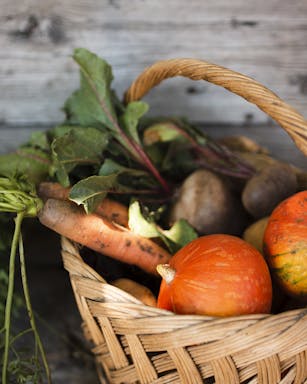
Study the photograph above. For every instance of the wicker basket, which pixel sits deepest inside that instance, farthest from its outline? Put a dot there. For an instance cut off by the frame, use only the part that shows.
(134, 343)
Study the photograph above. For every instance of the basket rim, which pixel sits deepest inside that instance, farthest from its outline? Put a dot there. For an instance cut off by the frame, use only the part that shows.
(293, 122)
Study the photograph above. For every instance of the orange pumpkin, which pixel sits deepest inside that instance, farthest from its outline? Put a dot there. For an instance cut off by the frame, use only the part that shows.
(217, 275)
(285, 244)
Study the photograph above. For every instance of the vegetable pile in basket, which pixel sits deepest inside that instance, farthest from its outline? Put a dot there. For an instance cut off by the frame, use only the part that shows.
(140, 190)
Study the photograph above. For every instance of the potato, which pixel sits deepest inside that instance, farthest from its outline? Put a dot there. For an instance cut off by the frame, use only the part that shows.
(258, 161)
(208, 204)
(301, 177)
(242, 143)
(137, 290)
(254, 233)
(261, 160)
(267, 188)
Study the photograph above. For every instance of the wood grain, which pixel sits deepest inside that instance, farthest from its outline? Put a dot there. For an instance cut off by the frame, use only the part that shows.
(266, 40)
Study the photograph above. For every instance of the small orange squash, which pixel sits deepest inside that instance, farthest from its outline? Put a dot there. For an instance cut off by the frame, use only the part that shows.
(216, 275)
(285, 244)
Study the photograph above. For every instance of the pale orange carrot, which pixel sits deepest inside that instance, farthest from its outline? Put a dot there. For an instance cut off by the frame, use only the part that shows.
(110, 209)
(99, 234)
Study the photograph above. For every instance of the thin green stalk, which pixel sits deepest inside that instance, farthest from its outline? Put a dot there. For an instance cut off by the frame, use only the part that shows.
(15, 353)
(10, 292)
(20, 335)
(30, 310)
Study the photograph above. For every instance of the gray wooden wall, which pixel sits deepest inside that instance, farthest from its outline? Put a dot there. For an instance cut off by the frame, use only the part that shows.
(265, 39)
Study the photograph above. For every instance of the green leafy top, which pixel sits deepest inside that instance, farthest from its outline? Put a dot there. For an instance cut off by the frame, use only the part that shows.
(91, 105)
(101, 134)
(79, 146)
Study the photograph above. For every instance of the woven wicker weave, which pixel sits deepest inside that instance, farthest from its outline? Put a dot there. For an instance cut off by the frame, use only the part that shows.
(134, 343)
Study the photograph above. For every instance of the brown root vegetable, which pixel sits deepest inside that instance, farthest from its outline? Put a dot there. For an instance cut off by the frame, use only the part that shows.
(258, 161)
(242, 144)
(107, 208)
(301, 177)
(208, 204)
(254, 233)
(100, 235)
(267, 188)
(52, 190)
(137, 290)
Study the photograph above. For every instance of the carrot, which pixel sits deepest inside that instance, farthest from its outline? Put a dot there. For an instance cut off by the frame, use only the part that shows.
(99, 234)
(51, 190)
(110, 209)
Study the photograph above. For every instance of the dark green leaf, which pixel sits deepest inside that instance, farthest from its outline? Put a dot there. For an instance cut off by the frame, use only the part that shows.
(130, 119)
(92, 105)
(178, 160)
(78, 146)
(117, 103)
(136, 179)
(109, 167)
(39, 139)
(59, 131)
(91, 191)
(157, 154)
(181, 233)
(31, 162)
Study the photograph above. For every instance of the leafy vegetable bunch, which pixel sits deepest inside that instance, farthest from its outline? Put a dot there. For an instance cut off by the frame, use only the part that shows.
(104, 146)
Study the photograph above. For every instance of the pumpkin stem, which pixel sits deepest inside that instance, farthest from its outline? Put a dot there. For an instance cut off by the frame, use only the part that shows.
(167, 272)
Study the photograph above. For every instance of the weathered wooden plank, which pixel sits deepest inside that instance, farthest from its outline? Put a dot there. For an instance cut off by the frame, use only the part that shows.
(11, 137)
(266, 40)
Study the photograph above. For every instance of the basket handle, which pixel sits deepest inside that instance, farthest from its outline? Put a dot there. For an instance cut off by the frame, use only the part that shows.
(287, 117)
